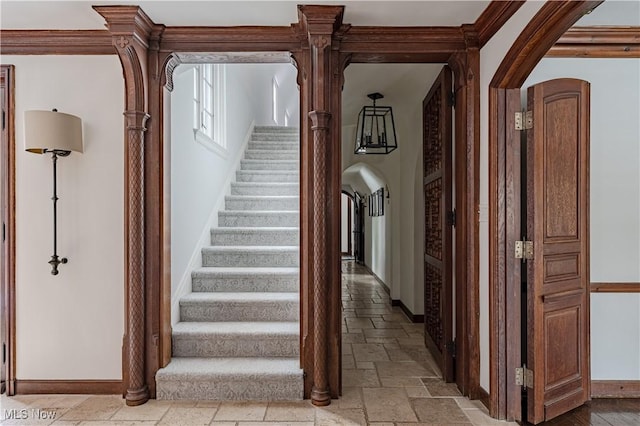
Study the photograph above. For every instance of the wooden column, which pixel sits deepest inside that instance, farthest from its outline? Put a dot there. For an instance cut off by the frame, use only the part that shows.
(321, 26)
(466, 67)
(157, 219)
(130, 29)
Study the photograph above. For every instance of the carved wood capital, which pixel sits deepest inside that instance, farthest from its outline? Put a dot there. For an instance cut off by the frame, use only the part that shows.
(127, 24)
(320, 120)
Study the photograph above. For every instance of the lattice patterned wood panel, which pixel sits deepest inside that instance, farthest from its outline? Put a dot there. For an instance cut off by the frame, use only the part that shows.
(432, 135)
(433, 302)
(433, 218)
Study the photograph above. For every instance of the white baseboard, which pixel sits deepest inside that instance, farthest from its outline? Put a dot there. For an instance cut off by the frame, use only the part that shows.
(195, 261)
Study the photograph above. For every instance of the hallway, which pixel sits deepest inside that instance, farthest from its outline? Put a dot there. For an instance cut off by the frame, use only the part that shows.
(388, 378)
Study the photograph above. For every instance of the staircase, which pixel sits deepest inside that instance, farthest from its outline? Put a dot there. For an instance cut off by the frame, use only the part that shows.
(238, 335)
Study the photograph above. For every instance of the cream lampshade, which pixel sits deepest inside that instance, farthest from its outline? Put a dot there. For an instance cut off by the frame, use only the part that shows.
(46, 131)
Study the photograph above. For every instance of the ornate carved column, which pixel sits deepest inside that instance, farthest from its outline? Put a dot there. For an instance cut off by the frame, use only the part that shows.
(320, 394)
(321, 23)
(130, 29)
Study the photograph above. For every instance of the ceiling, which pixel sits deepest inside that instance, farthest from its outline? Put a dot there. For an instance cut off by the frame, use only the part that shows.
(79, 15)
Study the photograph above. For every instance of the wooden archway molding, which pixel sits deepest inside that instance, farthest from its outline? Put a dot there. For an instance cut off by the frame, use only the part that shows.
(542, 32)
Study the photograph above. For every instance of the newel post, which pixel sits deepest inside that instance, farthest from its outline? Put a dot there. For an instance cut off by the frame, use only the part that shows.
(130, 29)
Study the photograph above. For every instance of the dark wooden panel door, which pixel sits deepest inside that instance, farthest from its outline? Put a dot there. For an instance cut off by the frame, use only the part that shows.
(558, 225)
(437, 149)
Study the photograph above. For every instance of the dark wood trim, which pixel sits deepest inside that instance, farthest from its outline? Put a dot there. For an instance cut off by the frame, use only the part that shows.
(466, 68)
(100, 387)
(157, 205)
(415, 318)
(494, 17)
(230, 39)
(8, 159)
(56, 42)
(401, 44)
(483, 397)
(615, 389)
(598, 42)
(618, 287)
(545, 28)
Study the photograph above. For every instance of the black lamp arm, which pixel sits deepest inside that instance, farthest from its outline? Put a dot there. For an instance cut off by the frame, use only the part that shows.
(55, 260)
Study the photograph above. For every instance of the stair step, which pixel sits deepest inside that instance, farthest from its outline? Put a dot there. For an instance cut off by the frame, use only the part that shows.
(213, 307)
(224, 379)
(267, 176)
(265, 203)
(259, 218)
(229, 339)
(251, 256)
(274, 145)
(265, 188)
(268, 279)
(269, 165)
(253, 236)
(269, 154)
(272, 136)
(275, 129)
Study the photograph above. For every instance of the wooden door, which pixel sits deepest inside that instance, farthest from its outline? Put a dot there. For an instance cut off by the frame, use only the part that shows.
(438, 271)
(558, 225)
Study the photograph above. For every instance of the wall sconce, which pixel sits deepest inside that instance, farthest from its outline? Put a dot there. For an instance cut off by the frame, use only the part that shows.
(375, 131)
(58, 134)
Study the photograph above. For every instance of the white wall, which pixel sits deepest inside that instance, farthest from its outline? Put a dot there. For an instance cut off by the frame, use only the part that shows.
(614, 205)
(70, 326)
(491, 56)
(200, 177)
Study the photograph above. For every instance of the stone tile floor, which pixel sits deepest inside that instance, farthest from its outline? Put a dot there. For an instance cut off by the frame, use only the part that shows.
(389, 378)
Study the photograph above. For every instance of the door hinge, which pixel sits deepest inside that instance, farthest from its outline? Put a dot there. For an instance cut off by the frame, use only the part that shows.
(4, 353)
(524, 377)
(524, 250)
(3, 120)
(451, 348)
(4, 232)
(451, 218)
(452, 99)
(524, 120)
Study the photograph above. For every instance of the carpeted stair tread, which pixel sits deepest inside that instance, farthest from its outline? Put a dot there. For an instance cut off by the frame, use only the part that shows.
(240, 329)
(260, 339)
(265, 188)
(245, 279)
(206, 368)
(245, 271)
(239, 297)
(255, 236)
(289, 165)
(267, 176)
(269, 154)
